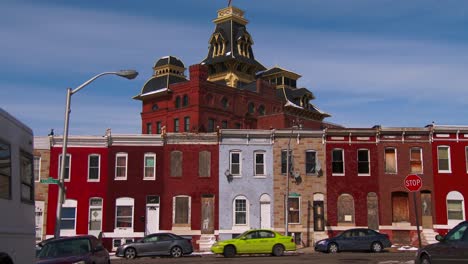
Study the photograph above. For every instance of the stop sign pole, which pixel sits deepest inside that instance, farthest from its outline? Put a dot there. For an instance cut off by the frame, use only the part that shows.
(413, 183)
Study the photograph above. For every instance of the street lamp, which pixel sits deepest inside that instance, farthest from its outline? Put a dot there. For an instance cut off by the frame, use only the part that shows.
(129, 74)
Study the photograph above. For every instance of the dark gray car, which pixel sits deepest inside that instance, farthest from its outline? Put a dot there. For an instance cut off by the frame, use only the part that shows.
(159, 244)
(451, 248)
(355, 239)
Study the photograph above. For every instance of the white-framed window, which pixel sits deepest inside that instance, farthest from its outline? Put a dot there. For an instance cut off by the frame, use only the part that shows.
(181, 205)
(363, 159)
(259, 163)
(37, 168)
(311, 162)
(241, 210)
(95, 214)
(443, 159)
(338, 162)
(416, 160)
(390, 160)
(124, 213)
(121, 160)
(94, 164)
(68, 218)
(150, 166)
(66, 175)
(455, 208)
(294, 210)
(235, 158)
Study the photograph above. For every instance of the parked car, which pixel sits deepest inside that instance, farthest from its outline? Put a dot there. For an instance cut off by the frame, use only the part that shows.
(356, 239)
(258, 241)
(85, 249)
(451, 248)
(159, 244)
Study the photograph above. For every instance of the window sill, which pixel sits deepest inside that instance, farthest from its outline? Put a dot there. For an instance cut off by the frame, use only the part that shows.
(260, 176)
(98, 180)
(444, 171)
(340, 175)
(149, 179)
(363, 175)
(120, 179)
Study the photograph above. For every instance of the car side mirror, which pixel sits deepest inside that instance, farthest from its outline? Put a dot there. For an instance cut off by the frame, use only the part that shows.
(98, 248)
(439, 238)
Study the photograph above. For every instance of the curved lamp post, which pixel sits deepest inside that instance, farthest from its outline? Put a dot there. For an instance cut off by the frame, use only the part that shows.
(129, 74)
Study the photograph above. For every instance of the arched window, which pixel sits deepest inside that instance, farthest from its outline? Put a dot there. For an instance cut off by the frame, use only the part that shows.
(345, 209)
(455, 208)
(185, 100)
(261, 110)
(251, 108)
(177, 102)
(224, 103)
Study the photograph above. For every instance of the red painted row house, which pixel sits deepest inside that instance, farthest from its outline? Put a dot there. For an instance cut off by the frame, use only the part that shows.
(129, 186)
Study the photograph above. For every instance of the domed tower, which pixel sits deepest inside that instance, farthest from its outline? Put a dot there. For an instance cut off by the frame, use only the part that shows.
(230, 57)
(166, 71)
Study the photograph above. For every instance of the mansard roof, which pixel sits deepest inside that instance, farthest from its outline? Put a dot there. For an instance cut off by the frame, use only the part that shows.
(169, 60)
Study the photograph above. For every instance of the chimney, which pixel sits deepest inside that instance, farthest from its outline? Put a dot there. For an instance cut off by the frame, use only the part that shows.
(198, 72)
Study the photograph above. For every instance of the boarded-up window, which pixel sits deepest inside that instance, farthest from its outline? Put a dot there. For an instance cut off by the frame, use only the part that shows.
(416, 160)
(182, 210)
(443, 157)
(390, 160)
(294, 210)
(204, 163)
(176, 163)
(345, 209)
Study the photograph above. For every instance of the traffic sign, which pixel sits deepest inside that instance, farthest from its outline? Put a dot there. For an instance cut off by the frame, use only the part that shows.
(413, 182)
(49, 181)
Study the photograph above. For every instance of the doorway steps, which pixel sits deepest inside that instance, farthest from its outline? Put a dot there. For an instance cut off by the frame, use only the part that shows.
(428, 236)
(205, 242)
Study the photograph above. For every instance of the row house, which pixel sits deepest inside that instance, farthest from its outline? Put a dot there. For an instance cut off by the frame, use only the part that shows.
(41, 171)
(405, 151)
(122, 187)
(299, 184)
(245, 181)
(450, 159)
(352, 179)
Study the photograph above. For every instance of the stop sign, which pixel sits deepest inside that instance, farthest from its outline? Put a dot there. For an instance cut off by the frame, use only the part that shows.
(413, 182)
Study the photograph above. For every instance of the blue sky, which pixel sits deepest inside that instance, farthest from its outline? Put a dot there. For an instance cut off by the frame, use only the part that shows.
(387, 62)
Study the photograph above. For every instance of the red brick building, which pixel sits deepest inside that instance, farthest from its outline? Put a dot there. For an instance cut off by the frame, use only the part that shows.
(228, 89)
(352, 179)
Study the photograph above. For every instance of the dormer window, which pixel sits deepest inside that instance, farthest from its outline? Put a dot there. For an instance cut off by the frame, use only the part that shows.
(218, 45)
(243, 45)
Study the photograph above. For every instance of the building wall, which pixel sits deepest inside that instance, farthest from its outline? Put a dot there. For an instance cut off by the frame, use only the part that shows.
(445, 182)
(78, 188)
(390, 183)
(306, 186)
(359, 187)
(248, 185)
(42, 150)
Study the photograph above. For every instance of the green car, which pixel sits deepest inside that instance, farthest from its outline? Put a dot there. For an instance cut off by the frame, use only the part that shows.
(258, 241)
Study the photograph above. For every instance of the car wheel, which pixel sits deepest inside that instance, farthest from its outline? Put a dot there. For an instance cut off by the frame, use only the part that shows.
(425, 260)
(278, 250)
(332, 248)
(229, 251)
(130, 253)
(176, 252)
(376, 247)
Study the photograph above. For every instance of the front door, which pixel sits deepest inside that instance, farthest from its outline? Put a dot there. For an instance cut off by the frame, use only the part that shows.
(426, 208)
(400, 207)
(207, 214)
(265, 215)
(152, 218)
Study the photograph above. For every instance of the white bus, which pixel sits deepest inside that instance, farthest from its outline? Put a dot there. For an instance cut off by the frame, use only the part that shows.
(17, 229)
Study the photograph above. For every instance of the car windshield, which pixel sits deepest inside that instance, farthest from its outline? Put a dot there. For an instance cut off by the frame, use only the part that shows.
(456, 233)
(65, 248)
